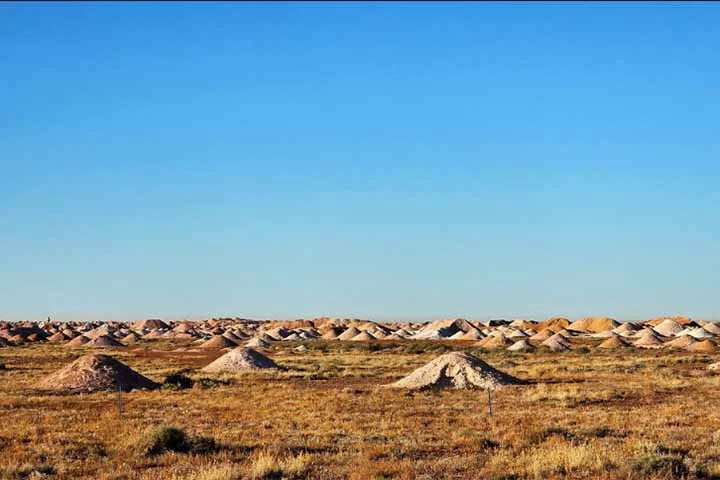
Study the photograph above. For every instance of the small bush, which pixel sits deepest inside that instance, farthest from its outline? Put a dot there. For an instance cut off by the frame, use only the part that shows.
(177, 381)
(540, 436)
(271, 467)
(598, 432)
(82, 451)
(211, 383)
(3, 366)
(488, 444)
(29, 471)
(202, 445)
(173, 439)
(163, 439)
(670, 466)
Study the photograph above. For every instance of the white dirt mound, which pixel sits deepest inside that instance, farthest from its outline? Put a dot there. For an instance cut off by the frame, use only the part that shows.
(93, 373)
(240, 359)
(456, 370)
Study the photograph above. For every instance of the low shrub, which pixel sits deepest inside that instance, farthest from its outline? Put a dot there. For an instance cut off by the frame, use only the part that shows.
(28, 471)
(669, 466)
(177, 381)
(173, 439)
(267, 466)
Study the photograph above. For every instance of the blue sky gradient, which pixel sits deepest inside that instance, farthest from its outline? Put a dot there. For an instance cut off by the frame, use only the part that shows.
(387, 161)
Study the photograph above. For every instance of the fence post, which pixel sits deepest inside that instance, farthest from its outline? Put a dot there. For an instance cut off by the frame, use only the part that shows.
(119, 402)
(490, 399)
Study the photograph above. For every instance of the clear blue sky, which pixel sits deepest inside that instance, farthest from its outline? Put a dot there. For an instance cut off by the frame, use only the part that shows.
(369, 160)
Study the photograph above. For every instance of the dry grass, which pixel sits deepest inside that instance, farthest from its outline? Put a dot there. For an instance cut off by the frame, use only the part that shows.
(629, 415)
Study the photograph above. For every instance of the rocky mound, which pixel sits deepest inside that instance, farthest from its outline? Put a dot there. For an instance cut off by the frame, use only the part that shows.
(240, 359)
(456, 370)
(93, 373)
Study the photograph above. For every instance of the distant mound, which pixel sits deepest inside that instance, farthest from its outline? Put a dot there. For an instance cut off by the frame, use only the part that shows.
(92, 373)
(593, 324)
(555, 324)
(218, 342)
(458, 371)
(150, 324)
(521, 346)
(104, 341)
(240, 359)
(257, 342)
(613, 343)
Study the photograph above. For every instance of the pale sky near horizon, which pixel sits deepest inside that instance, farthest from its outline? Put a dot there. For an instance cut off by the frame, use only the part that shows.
(387, 161)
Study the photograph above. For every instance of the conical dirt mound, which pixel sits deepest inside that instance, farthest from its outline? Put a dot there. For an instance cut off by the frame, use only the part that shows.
(77, 342)
(93, 373)
(521, 346)
(218, 342)
(240, 359)
(706, 346)
(257, 342)
(104, 341)
(613, 343)
(455, 370)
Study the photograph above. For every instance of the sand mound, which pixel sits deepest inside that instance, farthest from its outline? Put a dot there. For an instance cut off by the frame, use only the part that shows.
(668, 328)
(680, 320)
(257, 342)
(542, 335)
(647, 338)
(593, 324)
(681, 342)
(93, 373)
(456, 370)
(613, 343)
(495, 341)
(349, 333)
(554, 323)
(557, 343)
(700, 332)
(218, 342)
(131, 338)
(363, 337)
(706, 346)
(240, 359)
(58, 337)
(626, 329)
(713, 328)
(77, 342)
(103, 341)
(521, 346)
(332, 333)
(150, 324)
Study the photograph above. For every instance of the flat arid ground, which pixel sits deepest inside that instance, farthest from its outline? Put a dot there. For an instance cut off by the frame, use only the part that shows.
(587, 414)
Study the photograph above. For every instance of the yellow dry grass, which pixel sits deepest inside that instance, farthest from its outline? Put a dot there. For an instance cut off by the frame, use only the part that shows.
(625, 415)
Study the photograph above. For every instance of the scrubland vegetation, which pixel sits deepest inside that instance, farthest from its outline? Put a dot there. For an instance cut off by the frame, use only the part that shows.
(619, 415)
